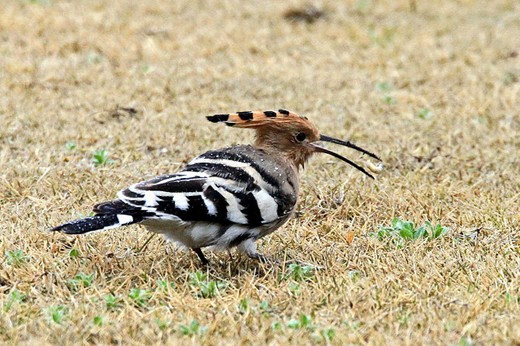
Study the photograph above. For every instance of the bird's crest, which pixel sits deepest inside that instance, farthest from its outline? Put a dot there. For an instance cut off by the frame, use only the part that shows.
(257, 118)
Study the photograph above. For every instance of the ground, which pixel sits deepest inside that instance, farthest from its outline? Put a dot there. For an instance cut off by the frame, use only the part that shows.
(433, 89)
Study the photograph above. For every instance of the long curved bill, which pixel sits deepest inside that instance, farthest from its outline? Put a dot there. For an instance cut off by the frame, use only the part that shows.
(348, 144)
(338, 156)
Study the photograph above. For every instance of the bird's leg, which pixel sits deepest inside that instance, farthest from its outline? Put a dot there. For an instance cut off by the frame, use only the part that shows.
(203, 258)
(248, 247)
(146, 242)
(259, 257)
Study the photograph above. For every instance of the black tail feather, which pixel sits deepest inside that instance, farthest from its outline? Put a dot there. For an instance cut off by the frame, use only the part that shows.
(97, 223)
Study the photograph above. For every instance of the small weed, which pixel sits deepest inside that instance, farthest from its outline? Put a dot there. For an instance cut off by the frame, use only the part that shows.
(98, 321)
(509, 298)
(112, 301)
(511, 78)
(328, 334)
(197, 277)
(162, 325)
(210, 288)
(425, 113)
(389, 100)
(73, 253)
(93, 58)
(79, 281)
(57, 313)
(304, 322)
(298, 272)
(405, 230)
(244, 305)
(265, 307)
(276, 326)
(71, 145)
(466, 341)
(146, 68)
(385, 88)
(294, 288)
(403, 317)
(354, 275)
(16, 258)
(449, 326)
(15, 297)
(165, 285)
(207, 288)
(354, 325)
(436, 231)
(139, 296)
(100, 157)
(194, 328)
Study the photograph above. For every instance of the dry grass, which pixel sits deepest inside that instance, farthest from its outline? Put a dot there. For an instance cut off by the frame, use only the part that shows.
(435, 92)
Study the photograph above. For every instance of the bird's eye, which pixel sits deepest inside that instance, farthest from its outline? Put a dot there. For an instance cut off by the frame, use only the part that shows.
(300, 136)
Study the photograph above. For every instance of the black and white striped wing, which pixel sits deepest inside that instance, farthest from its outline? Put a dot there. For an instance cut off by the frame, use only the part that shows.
(225, 192)
(175, 197)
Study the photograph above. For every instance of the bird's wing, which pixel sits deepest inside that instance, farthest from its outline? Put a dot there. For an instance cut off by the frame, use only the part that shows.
(205, 193)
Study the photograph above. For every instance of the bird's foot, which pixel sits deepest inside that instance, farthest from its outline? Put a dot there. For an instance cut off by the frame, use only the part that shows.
(203, 258)
(263, 258)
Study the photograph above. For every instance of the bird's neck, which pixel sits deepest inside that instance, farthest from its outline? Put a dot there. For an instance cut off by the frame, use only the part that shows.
(292, 158)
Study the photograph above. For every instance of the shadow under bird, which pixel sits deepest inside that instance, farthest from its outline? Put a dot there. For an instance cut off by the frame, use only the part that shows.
(224, 198)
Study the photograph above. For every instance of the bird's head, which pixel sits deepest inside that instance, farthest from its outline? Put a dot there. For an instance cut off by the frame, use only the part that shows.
(287, 135)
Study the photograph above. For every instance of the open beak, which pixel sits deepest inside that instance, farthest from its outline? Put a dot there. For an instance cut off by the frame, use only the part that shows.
(321, 149)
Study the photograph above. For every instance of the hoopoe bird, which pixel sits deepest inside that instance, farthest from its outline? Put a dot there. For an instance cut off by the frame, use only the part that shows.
(224, 198)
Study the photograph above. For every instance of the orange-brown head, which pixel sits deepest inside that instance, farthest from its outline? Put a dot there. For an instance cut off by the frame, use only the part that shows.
(287, 135)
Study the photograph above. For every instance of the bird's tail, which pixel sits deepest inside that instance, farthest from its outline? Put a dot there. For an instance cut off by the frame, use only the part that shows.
(96, 223)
